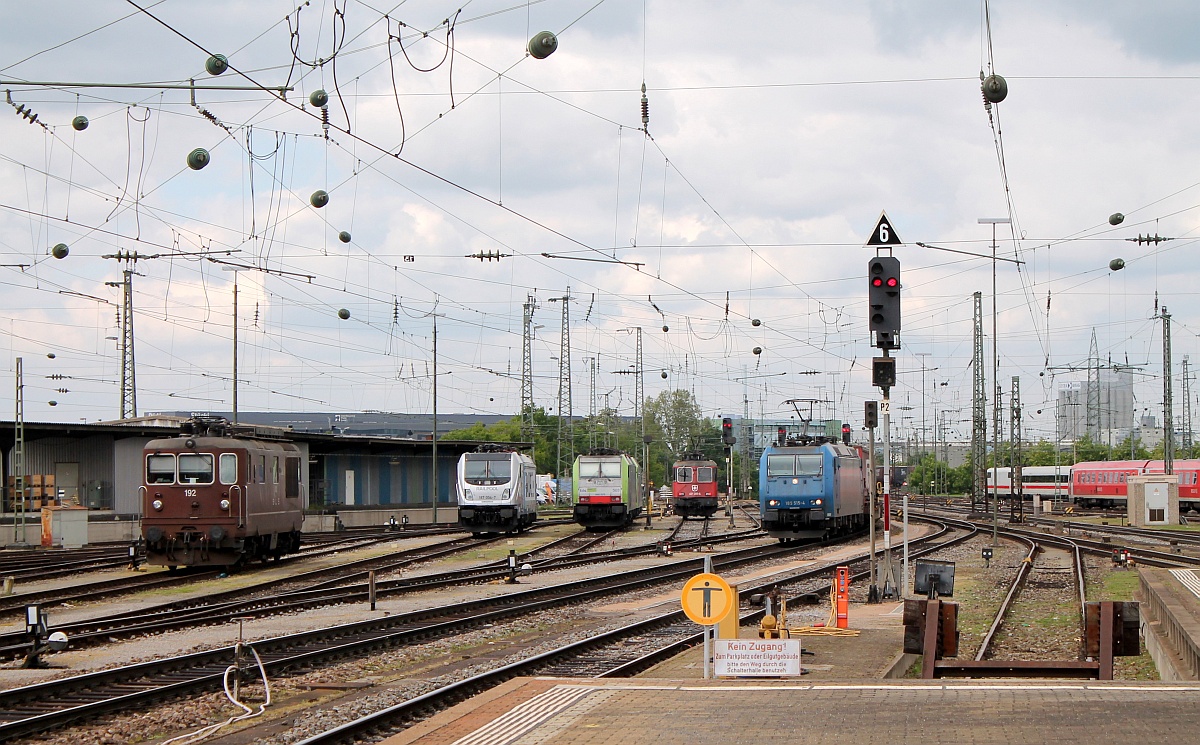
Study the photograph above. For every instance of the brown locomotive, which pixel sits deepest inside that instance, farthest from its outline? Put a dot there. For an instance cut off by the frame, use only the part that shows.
(220, 494)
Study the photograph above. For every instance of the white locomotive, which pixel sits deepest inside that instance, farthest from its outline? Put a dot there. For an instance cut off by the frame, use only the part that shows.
(497, 490)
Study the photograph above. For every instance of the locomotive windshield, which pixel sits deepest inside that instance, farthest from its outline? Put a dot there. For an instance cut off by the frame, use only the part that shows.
(599, 469)
(195, 468)
(706, 475)
(808, 464)
(160, 469)
(683, 474)
(486, 469)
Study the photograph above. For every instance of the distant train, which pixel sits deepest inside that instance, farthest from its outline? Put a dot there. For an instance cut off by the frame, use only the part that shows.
(497, 490)
(1049, 482)
(219, 494)
(812, 488)
(1104, 483)
(606, 491)
(1096, 483)
(694, 489)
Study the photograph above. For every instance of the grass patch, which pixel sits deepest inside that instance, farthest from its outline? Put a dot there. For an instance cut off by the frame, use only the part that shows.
(1119, 585)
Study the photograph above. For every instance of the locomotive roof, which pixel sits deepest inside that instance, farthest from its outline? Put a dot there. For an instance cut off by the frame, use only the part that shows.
(219, 441)
(838, 449)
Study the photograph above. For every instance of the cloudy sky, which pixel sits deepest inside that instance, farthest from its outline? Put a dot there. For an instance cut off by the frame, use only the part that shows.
(778, 132)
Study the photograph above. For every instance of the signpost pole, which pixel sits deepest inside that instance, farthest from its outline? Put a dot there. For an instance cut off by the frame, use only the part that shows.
(707, 651)
(873, 591)
(708, 569)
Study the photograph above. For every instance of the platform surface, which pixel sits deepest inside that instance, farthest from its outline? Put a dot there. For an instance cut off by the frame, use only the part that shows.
(546, 711)
(843, 698)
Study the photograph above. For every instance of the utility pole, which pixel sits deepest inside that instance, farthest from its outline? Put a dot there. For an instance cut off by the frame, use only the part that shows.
(994, 221)
(592, 361)
(1093, 392)
(1017, 507)
(978, 411)
(19, 459)
(227, 266)
(639, 385)
(128, 367)
(1187, 409)
(747, 435)
(435, 421)
(566, 425)
(527, 369)
(924, 369)
(1168, 404)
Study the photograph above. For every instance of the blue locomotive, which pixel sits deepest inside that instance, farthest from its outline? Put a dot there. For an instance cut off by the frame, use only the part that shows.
(812, 487)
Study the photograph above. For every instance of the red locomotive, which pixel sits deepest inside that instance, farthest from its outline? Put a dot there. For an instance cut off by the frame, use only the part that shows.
(694, 490)
(219, 494)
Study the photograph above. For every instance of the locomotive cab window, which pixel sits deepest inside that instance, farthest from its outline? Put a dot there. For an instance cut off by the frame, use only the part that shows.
(705, 475)
(683, 474)
(160, 469)
(274, 469)
(487, 469)
(781, 465)
(260, 469)
(195, 468)
(599, 469)
(808, 465)
(229, 468)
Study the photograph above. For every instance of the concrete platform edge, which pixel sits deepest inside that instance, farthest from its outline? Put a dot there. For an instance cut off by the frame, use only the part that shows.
(900, 665)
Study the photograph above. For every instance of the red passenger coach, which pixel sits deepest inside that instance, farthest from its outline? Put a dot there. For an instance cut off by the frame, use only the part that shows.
(694, 490)
(219, 494)
(1106, 483)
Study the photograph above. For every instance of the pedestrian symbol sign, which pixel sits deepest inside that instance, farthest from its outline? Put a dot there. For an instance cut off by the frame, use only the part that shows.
(706, 598)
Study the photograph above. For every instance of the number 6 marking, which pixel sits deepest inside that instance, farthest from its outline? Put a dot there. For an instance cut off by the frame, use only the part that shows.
(883, 232)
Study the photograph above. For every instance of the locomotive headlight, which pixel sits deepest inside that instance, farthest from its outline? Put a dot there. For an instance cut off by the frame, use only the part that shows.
(507, 493)
(772, 502)
(157, 504)
(818, 501)
(795, 481)
(467, 493)
(224, 504)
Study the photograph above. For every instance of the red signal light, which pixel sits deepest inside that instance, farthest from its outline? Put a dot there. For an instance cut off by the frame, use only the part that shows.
(892, 282)
(877, 282)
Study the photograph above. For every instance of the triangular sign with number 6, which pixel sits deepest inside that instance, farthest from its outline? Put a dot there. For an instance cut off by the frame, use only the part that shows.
(883, 235)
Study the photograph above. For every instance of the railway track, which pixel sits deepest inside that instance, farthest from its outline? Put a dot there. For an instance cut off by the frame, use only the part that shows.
(344, 584)
(24, 711)
(104, 589)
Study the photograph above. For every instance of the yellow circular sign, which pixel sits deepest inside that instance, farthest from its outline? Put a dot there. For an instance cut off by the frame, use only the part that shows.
(706, 598)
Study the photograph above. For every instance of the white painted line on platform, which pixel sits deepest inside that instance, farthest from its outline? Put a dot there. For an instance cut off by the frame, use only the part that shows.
(1188, 578)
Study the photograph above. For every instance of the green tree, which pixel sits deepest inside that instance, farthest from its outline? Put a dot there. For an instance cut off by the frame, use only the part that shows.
(674, 418)
(545, 434)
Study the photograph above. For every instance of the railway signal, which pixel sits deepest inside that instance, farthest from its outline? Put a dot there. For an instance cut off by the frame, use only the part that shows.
(727, 431)
(870, 414)
(845, 434)
(883, 372)
(883, 276)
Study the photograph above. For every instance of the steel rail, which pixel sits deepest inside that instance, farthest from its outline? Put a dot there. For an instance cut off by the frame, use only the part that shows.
(1009, 599)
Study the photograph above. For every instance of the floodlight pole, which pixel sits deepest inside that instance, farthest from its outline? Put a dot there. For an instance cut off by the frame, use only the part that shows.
(435, 421)
(994, 221)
